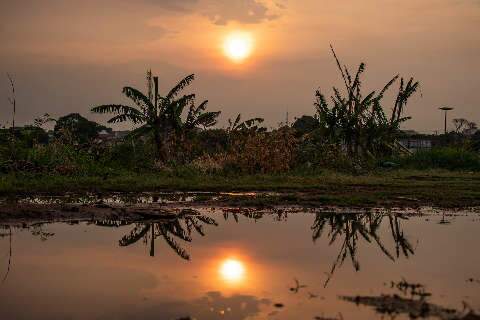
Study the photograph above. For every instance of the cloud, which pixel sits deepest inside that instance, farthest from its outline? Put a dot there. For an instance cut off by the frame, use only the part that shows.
(222, 12)
(174, 5)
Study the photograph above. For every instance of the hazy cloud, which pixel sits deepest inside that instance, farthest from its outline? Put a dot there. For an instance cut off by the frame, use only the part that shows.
(221, 12)
(174, 5)
(244, 11)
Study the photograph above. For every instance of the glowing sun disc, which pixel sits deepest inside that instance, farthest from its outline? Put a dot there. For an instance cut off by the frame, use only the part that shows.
(232, 270)
(238, 46)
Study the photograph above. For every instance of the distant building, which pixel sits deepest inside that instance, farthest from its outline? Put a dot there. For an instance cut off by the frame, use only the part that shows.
(414, 141)
(107, 137)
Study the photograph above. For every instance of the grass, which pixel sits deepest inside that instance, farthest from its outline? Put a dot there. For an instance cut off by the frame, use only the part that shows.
(386, 188)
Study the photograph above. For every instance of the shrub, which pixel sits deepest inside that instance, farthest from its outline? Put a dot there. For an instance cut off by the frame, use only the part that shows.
(262, 152)
(315, 151)
(444, 158)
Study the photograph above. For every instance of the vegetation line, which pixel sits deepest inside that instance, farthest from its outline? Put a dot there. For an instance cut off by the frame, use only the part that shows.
(352, 141)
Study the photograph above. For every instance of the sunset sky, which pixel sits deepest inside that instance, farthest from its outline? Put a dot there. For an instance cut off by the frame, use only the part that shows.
(70, 55)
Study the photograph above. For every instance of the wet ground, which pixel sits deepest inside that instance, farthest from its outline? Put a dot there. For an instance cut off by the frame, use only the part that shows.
(228, 263)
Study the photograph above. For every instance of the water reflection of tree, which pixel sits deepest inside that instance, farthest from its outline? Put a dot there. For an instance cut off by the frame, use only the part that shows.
(353, 227)
(254, 214)
(171, 229)
(37, 230)
(2, 235)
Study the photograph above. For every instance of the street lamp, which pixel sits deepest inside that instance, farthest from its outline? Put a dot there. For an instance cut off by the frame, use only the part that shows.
(446, 109)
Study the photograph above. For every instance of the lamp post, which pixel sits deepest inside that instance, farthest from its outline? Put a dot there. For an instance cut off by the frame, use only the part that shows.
(445, 109)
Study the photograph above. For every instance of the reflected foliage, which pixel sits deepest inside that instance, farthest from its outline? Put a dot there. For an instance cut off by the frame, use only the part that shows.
(254, 214)
(412, 301)
(37, 230)
(171, 230)
(351, 228)
(177, 228)
(2, 235)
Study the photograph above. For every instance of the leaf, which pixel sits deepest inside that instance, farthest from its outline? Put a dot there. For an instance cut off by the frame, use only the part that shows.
(136, 234)
(174, 245)
(180, 86)
(140, 100)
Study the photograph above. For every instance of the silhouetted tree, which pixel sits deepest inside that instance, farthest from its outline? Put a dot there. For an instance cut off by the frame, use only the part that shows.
(79, 129)
(171, 230)
(250, 125)
(359, 122)
(305, 124)
(161, 115)
(352, 227)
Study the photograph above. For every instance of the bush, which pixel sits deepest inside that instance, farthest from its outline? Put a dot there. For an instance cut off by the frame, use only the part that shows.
(128, 154)
(315, 152)
(262, 152)
(444, 158)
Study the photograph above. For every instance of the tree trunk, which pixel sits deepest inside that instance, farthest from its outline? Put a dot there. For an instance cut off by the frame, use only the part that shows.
(158, 144)
(161, 135)
(152, 241)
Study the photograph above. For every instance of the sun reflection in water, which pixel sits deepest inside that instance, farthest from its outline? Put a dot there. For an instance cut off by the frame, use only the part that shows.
(232, 270)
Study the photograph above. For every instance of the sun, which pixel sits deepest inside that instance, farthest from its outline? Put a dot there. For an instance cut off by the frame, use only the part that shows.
(232, 270)
(238, 46)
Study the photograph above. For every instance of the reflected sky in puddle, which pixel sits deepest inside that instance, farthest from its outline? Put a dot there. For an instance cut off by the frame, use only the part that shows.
(230, 265)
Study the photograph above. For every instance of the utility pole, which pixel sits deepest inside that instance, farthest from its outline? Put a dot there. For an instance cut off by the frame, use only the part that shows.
(445, 109)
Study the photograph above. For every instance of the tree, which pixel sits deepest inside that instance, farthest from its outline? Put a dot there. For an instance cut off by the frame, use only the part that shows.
(182, 227)
(350, 228)
(359, 122)
(305, 124)
(78, 128)
(247, 125)
(161, 115)
(464, 126)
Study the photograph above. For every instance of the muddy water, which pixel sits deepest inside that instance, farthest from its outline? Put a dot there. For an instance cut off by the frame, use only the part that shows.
(215, 265)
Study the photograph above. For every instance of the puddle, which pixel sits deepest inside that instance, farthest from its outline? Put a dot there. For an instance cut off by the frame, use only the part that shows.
(244, 264)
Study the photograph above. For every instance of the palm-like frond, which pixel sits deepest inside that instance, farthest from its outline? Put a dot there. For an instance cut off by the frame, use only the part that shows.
(247, 125)
(196, 117)
(207, 119)
(124, 113)
(207, 220)
(233, 125)
(173, 244)
(180, 86)
(127, 117)
(142, 101)
(136, 234)
(115, 108)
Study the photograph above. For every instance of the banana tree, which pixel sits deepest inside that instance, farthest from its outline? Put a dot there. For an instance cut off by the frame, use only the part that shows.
(359, 122)
(350, 228)
(183, 227)
(242, 126)
(161, 115)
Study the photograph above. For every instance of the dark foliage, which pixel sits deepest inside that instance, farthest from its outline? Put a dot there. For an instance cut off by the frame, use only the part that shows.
(76, 129)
